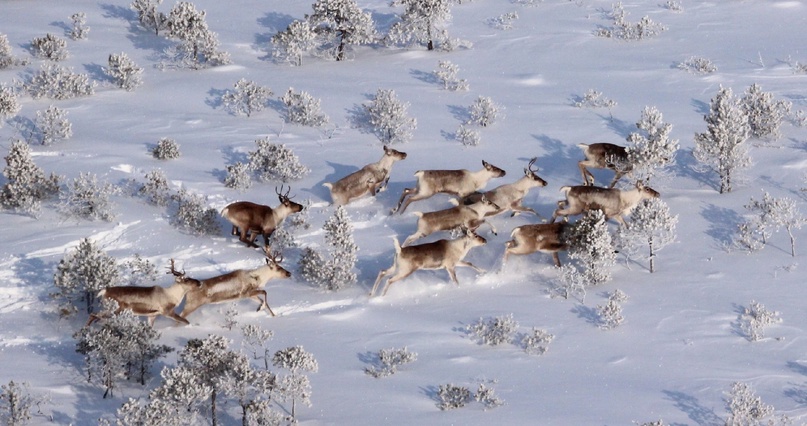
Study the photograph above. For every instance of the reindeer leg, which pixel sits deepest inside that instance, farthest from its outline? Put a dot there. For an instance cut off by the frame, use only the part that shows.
(173, 315)
(452, 274)
(380, 276)
(470, 265)
(257, 295)
(412, 238)
(399, 276)
(235, 230)
(405, 192)
(556, 258)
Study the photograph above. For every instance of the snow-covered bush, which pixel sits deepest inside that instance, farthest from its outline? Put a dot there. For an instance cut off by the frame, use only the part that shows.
(137, 271)
(339, 24)
(336, 271)
(622, 29)
(81, 274)
(594, 99)
(504, 21)
(610, 314)
(467, 136)
(238, 177)
(16, 402)
(487, 396)
(569, 283)
(197, 47)
(697, 65)
(27, 184)
(388, 119)
(744, 407)
(722, 147)
(166, 149)
(312, 267)
(289, 46)
(87, 198)
(7, 59)
(193, 215)
(650, 149)
(388, 361)
(295, 386)
(246, 97)
(537, 341)
(9, 104)
(755, 318)
(447, 74)
(156, 190)
(484, 112)
(275, 162)
(422, 22)
(49, 47)
(674, 6)
(591, 247)
(652, 227)
(148, 15)
(765, 114)
(303, 109)
(123, 71)
(255, 338)
(57, 82)
(770, 214)
(493, 331)
(451, 396)
(53, 125)
(80, 29)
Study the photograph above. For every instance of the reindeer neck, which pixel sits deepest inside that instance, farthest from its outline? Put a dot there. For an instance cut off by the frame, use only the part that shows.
(176, 291)
(385, 163)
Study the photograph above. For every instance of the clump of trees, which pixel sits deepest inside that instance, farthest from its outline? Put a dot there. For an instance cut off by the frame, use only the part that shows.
(27, 185)
(336, 271)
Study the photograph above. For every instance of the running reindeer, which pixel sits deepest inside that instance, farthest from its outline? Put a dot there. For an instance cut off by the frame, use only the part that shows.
(614, 203)
(510, 196)
(250, 220)
(371, 178)
(604, 156)
(540, 237)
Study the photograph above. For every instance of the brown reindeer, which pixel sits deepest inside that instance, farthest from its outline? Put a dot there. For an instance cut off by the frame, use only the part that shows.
(541, 237)
(510, 196)
(470, 217)
(604, 156)
(441, 254)
(250, 220)
(371, 178)
(455, 182)
(149, 301)
(238, 284)
(614, 203)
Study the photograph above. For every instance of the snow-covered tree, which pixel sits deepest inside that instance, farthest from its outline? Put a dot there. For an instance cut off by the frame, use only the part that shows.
(591, 247)
(81, 274)
(486, 395)
(192, 214)
(312, 266)
(625, 30)
(754, 318)
(179, 400)
(697, 65)
(484, 112)
(166, 149)
(27, 184)
(16, 402)
(298, 39)
(650, 223)
(148, 15)
(9, 105)
(53, 125)
(238, 176)
(447, 74)
(80, 29)
(765, 114)
(303, 109)
(87, 198)
(493, 331)
(123, 71)
(570, 283)
(7, 59)
(246, 385)
(341, 23)
(388, 119)
(255, 338)
(610, 314)
(503, 21)
(198, 46)
(336, 271)
(467, 136)
(770, 214)
(156, 190)
(722, 147)
(423, 22)
(276, 162)
(388, 361)
(651, 148)
(295, 386)
(451, 396)
(137, 271)
(246, 97)
(50, 47)
(57, 82)
(537, 342)
(745, 407)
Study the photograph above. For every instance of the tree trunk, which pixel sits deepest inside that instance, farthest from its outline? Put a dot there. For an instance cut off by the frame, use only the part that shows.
(792, 241)
(213, 407)
(652, 257)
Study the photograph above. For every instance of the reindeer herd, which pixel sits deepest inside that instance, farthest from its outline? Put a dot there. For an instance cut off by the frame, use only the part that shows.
(473, 205)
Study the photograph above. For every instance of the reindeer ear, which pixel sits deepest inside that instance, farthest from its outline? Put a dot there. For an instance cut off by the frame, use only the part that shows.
(485, 164)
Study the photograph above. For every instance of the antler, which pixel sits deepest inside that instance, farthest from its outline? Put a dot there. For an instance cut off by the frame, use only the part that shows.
(529, 166)
(172, 270)
(273, 256)
(281, 194)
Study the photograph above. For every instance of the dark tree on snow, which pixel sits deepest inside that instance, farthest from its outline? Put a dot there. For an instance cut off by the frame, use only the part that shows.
(27, 184)
(421, 22)
(81, 274)
(341, 23)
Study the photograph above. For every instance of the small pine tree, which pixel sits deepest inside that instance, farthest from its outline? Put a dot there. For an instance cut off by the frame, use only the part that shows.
(80, 29)
(166, 149)
(27, 184)
(289, 46)
(303, 109)
(276, 162)
(86, 198)
(422, 22)
(211, 361)
(537, 342)
(484, 112)
(755, 318)
(722, 146)
(651, 223)
(340, 24)
(123, 71)
(451, 396)
(467, 136)
(256, 338)
(591, 247)
(389, 360)
(745, 408)
(16, 402)
(248, 386)
(388, 118)
(156, 190)
(148, 15)
(770, 215)
(50, 47)
(57, 82)
(81, 274)
(7, 59)
(246, 97)
(53, 125)
(198, 46)
(193, 215)
(494, 331)
(9, 104)
(137, 271)
(765, 115)
(312, 267)
(611, 313)
(336, 271)
(447, 74)
(651, 148)
(295, 386)
(238, 177)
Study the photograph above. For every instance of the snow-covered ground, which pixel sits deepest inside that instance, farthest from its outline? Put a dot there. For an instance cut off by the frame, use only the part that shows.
(679, 349)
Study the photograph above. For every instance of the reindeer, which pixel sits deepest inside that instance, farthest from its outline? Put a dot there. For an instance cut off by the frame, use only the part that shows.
(604, 156)
(372, 178)
(441, 254)
(238, 284)
(149, 301)
(614, 203)
(511, 195)
(456, 182)
(256, 219)
(543, 237)
(471, 217)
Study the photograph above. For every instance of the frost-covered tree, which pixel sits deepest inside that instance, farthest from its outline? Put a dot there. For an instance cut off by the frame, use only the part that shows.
(246, 97)
(123, 71)
(80, 29)
(536, 342)
(296, 40)
(594, 99)
(570, 283)
(451, 396)
(53, 125)
(156, 190)
(179, 400)
(148, 15)
(625, 30)
(137, 271)
(16, 402)
(312, 266)
(7, 59)
(198, 47)
(610, 314)
(770, 214)
(81, 274)
(57, 82)
(754, 318)
(166, 149)
(303, 109)
(591, 247)
(486, 395)
(484, 112)
(255, 338)
(238, 177)
(467, 136)
(697, 65)
(765, 114)
(651, 226)
(26, 186)
(722, 147)
(248, 386)
(650, 148)
(211, 360)
(337, 270)
(193, 215)
(49, 47)
(744, 407)
(493, 331)
(504, 21)
(388, 119)
(295, 386)
(276, 162)
(9, 104)
(87, 198)
(447, 74)
(388, 361)
(340, 24)
(422, 22)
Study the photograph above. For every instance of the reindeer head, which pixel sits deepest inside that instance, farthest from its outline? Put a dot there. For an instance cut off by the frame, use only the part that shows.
(497, 172)
(396, 155)
(533, 174)
(285, 200)
(180, 278)
(646, 191)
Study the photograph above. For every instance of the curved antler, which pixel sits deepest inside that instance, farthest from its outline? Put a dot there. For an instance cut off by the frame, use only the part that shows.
(172, 270)
(529, 169)
(275, 257)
